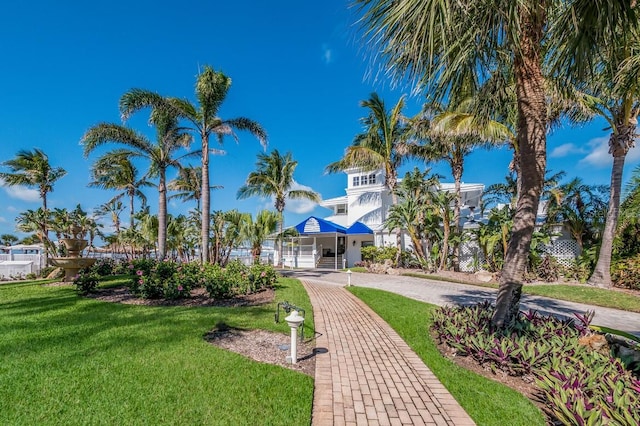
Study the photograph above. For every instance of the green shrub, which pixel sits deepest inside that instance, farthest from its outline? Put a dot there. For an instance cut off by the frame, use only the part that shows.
(216, 282)
(625, 273)
(86, 282)
(379, 254)
(262, 276)
(30, 276)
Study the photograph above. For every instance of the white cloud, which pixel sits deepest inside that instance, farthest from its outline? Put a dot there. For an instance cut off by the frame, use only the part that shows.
(564, 150)
(299, 206)
(3, 220)
(12, 209)
(599, 156)
(327, 54)
(20, 192)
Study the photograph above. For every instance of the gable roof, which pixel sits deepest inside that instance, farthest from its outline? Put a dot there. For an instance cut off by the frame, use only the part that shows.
(359, 228)
(315, 225)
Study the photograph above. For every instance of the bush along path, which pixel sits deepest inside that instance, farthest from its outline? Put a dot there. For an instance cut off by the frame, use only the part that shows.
(579, 379)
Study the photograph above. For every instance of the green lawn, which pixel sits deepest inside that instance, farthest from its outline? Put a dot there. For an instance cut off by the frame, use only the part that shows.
(572, 293)
(69, 360)
(487, 402)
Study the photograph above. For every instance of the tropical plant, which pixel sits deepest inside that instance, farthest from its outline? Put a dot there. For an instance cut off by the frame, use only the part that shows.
(115, 170)
(35, 221)
(258, 231)
(32, 169)
(382, 145)
(8, 239)
(227, 234)
(188, 183)
(451, 132)
(612, 78)
(112, 208)
(273, 177)
(211, 90)
(441, 45)
(580, 208)
(169, 139)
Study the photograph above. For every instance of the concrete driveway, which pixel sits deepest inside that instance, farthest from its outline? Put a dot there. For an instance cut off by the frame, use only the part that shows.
(442, 293)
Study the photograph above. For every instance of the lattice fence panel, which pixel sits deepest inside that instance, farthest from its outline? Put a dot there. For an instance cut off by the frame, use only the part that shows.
(565, 251)
(471, 257)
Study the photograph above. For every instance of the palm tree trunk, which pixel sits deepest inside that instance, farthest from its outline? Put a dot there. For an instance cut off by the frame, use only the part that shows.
(281, 231)
(206, 200)
(131, 211)
(601, 276)
(391, 184)
(162, 216)
(531, 139)
(457, 170)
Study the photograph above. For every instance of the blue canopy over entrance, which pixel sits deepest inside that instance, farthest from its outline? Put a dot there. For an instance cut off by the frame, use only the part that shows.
(315, 225)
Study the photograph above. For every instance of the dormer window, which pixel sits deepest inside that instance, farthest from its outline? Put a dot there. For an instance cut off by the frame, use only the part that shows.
(363, 180)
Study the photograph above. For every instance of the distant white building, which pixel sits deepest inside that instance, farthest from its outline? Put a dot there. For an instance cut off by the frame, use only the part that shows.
(356, 221)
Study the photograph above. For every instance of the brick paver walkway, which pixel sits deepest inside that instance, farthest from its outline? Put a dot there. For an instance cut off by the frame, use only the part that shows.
(368, 374)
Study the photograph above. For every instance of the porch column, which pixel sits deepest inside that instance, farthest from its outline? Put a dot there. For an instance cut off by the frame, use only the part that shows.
(336, 252)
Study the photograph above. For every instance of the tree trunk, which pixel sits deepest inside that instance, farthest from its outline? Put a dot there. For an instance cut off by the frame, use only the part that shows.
(456, 171)
(162, 215)
(391, 181)
(131, 209)
(280, 261)
(619, 144)
(206, 201)
(531, 140)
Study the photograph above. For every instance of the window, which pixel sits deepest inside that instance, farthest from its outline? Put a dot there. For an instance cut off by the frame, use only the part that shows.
(363, 180)
(341, 209)
(356, 181)
(372, 179)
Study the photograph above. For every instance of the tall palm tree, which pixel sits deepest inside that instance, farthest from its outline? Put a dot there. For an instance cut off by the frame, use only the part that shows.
(169, 139)
(35, 221)
(32, 169)
(383, 144)
(114, 170)
(612, 78)
(211, 90)
(273, 177)
(443, 45)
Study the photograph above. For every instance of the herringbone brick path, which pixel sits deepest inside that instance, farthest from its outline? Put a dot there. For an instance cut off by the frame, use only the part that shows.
(368, 374)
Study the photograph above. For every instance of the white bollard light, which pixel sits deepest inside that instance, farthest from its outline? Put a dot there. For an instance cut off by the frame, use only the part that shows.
(294, 320)
(349, 278)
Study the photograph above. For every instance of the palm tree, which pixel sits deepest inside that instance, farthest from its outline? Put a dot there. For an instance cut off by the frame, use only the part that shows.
(8, 239)
(580, 208)
(443, 46)
(211, 90)
(382, 145)
(114, 170)
(35, 221)
(169, 139)
(612, 78)
(188, 184)
(32, 169)
(258, 231)
(273, 177)
(112, 208)
(451, 135)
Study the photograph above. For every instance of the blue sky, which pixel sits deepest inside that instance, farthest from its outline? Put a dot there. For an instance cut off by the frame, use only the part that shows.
(298, 68)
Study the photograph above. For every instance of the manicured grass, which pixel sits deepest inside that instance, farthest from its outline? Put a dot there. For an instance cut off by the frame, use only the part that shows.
(70, 360)
(572, 293)
(486, 401)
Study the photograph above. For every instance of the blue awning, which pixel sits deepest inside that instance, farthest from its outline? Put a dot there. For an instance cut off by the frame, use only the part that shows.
(315, 225)
(359, 228)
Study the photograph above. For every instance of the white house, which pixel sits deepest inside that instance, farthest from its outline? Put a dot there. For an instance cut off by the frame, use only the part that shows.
(356, 221)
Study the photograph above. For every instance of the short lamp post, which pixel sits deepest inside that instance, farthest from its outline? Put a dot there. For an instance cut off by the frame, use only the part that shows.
(294, 320)
(349, 277)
